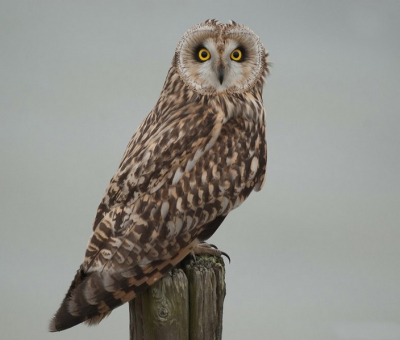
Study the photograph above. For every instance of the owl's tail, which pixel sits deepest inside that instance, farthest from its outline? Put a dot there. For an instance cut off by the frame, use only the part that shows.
(83, 302)
(92, 296)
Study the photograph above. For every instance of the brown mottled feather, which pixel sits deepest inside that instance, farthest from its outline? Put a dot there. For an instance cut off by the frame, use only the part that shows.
(193, 159)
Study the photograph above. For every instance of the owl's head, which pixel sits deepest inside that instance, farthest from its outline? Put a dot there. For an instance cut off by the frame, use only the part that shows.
(214, 58)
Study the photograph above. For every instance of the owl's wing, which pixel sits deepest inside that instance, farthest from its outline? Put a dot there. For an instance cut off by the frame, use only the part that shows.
(165, 145)
(159, 154)
(143, 226)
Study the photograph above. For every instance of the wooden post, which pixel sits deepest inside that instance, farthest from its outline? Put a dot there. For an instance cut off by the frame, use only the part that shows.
(186, 304)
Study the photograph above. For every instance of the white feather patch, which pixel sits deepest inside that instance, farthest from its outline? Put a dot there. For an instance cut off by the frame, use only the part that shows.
(177, 176)
(178, 225)
(253, 167)
(224, 204)
(191, 163)
(164, 209)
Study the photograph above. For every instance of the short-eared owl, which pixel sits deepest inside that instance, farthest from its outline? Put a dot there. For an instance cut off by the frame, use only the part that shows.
(197, 155)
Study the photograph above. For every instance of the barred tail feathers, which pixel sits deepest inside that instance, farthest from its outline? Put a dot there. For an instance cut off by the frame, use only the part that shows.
(92, 296)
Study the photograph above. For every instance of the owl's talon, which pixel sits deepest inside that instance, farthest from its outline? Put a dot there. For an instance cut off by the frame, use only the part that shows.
(204, 248)
(226, 255)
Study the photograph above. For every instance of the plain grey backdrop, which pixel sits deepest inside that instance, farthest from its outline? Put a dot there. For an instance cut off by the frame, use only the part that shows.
(315, 255)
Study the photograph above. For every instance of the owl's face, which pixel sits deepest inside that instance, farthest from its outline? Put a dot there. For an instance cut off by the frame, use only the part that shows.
(217, 58)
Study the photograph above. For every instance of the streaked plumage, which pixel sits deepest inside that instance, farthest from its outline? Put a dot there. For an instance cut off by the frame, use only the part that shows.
(197, 155)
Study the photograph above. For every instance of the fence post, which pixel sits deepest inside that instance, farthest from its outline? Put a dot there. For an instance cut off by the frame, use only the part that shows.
(186, 304)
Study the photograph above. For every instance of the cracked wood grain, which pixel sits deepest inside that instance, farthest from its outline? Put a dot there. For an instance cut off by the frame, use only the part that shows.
(186, 304)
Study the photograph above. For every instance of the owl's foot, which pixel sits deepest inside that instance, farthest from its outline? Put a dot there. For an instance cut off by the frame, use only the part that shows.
(204, 248)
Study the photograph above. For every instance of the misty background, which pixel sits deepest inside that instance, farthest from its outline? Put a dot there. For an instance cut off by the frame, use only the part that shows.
(315, 254)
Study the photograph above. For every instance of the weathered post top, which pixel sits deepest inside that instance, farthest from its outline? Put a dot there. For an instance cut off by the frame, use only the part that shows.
(186, 304)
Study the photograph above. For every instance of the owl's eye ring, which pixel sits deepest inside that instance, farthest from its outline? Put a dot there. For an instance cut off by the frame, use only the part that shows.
(237, 55)
(204, 54)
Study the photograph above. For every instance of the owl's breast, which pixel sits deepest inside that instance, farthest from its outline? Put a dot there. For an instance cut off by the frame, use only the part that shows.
(242, 147)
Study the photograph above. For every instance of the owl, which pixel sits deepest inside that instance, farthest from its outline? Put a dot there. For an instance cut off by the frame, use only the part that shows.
(198, 155)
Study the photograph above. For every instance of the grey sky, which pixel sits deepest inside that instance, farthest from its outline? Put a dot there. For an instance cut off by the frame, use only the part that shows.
(315, 255)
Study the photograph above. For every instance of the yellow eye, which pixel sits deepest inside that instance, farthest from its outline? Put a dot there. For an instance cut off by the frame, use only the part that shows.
(204, 55)
(236, 55)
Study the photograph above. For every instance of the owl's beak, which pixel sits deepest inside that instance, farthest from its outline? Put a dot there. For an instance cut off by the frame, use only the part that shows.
(221, 71)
